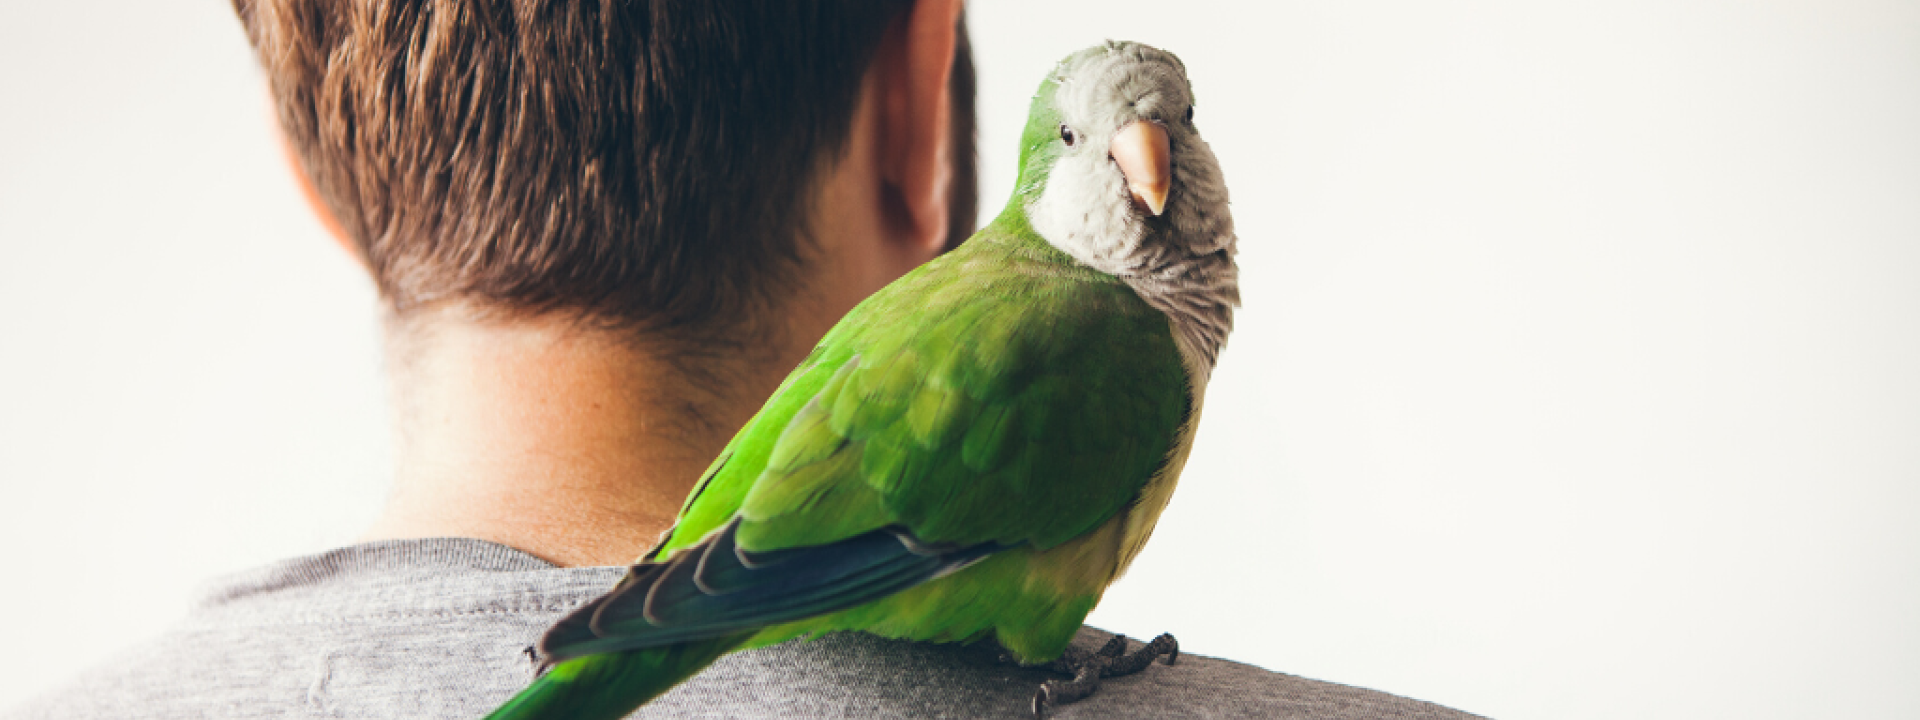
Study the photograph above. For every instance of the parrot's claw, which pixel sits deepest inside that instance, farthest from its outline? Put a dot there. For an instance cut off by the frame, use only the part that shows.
(1111, 660)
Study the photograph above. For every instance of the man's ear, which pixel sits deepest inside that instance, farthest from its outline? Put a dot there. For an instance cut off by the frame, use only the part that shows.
(919, 167)
(314, 202)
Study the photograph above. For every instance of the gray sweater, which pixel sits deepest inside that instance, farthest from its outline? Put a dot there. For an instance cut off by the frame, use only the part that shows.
(437, 629)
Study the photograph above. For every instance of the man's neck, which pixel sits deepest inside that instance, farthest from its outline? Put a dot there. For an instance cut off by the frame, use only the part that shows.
(576, 446)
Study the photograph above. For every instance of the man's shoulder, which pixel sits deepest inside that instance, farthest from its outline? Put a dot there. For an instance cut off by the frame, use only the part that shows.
(412, 628)
(438, 629)
(851, 675)
(1201, 686)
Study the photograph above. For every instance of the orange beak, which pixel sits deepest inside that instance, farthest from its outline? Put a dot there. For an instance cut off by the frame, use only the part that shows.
(1141, 150)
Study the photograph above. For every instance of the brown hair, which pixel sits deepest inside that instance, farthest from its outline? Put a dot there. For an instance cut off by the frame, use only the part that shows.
(646, 163)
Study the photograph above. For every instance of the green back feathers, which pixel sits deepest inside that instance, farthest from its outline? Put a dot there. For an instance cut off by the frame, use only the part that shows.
(998, 394)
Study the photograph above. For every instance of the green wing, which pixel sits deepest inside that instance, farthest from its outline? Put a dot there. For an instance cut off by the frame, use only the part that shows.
(999, 394)
(953, 457)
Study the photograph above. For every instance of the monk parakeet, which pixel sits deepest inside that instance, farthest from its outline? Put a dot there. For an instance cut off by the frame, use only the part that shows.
(977, 450)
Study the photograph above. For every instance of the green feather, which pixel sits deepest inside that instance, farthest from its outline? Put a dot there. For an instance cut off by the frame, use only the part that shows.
(611, 685)
(1047, 395)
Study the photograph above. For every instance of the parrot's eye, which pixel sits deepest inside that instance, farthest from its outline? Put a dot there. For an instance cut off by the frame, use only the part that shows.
(1189, 113)
(1067, 136)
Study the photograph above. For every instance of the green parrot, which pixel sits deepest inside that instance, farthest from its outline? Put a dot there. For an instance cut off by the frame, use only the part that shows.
(977, 450)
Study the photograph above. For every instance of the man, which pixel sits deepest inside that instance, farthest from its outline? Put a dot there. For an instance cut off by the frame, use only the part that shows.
(603, 233)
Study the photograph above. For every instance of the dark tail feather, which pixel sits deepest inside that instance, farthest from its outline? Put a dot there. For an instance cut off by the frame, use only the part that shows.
(668, 619)
(717, 589)
(608, 686)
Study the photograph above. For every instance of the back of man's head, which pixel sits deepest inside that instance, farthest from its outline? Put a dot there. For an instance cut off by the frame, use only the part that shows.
(644, 164)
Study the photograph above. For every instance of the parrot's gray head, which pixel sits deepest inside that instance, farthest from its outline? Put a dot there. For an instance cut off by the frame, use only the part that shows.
(1130, 188)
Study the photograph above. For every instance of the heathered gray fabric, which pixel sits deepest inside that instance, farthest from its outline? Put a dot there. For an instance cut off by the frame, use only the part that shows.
(436, 628)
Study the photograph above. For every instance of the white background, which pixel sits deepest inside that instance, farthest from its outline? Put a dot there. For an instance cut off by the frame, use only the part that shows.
(1579, 373)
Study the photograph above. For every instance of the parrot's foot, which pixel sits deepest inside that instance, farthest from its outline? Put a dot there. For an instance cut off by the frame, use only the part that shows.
(1111, 660)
